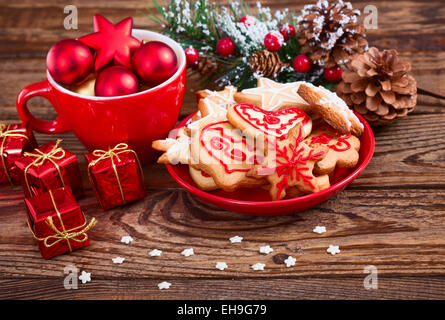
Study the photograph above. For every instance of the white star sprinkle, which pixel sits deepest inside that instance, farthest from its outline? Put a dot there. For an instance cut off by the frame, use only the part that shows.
(290, 261)
(126, 239)
(118, 260)
(85, 277)
(266, 249)
(188, 252)
(258, 266)
(164, 285)
(319, 229)
(155, 253)
(236, 239)
(221, 265)
(333, 249)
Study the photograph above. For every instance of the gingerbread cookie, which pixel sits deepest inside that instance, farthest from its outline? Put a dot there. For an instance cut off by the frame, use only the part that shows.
(203, 180)
(253, 121)
(322, 181)
(292, 167)
(213, 106)
(272, 96)
(225, 155)
(331, 108)
(176, 147)
(343, 148)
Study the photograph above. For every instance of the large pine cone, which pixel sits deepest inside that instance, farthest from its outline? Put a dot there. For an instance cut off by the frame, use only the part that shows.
(266, 64)
(378, 86)
(206, 66)
(330, 34)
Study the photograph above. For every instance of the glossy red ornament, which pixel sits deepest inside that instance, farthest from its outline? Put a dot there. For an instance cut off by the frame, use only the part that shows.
(301, 64)
(256, 201)
(154, 62)
(69, 61)
(191, 55)
(115, 81)
(288, 31)
(333, 74)
(273, 41)
(100, 122)
(111, 42)
(248, 21)
(225, 47)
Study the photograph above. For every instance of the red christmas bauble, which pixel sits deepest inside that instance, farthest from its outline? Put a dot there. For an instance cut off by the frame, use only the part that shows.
(273, 41)
(248, 21)
(225, 47)
(333, 74)
(69, 61)
(191, 55)
(301, 64)
(288, 31)
(154, 62)
(116, 81)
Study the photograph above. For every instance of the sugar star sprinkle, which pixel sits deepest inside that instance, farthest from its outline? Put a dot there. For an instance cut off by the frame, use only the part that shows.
(258, 266)
(126, 239)
(333, 249)
(319, 229)
(290, 261)
(221, 265)
(85, 277)
(236, 239)
(155, 253)
(266, 249)
(188, 252)
(118, 260)
(164, 285)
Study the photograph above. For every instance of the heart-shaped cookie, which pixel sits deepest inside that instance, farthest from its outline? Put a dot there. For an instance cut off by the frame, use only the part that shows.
(253, 120)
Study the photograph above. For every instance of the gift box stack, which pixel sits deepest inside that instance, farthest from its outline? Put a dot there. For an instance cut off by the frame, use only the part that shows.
(51, 182)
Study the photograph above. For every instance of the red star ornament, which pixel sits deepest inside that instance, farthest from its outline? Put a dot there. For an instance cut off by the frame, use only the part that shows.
(112, 42)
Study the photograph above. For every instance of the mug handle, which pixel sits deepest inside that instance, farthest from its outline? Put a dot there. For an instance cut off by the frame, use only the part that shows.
(42, 89)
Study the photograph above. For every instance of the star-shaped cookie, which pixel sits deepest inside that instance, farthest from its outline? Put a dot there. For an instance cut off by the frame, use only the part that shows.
(272, 96)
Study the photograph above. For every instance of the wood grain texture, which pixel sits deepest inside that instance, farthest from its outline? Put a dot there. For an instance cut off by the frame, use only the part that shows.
(392, 216)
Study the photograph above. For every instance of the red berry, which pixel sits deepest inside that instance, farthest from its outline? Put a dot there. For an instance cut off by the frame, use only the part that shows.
(302, 64)
(248, 21)
(273, 41)
(225, 47)
(333, 74)
(191, 55)
(288, 31)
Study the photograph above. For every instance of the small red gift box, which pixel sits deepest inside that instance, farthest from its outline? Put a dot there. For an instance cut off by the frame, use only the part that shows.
(57, 223)
(49, 167)
(116, 176)
(14, 140)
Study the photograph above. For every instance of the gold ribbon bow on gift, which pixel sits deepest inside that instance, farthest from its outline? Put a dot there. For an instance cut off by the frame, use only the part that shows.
(111, 154)
(56, 153)
(6, 133)
(62, 235)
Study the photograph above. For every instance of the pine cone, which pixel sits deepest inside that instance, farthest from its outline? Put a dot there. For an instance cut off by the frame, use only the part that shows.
(206, 66)
(266, 63)
(377, 85)
(330, 34)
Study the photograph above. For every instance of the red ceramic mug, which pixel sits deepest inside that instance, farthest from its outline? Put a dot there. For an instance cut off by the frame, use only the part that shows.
(100, 122)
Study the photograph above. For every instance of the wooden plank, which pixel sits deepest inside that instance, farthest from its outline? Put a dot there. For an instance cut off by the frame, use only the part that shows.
(398, 231)
(421, 287)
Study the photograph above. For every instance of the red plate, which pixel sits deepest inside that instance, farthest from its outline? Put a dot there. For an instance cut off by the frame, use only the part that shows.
(252, 201)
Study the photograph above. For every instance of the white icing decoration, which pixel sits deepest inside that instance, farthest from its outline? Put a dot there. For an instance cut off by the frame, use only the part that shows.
(280, 93)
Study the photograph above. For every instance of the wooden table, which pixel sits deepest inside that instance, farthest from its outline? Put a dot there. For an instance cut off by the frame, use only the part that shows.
(391, 217)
